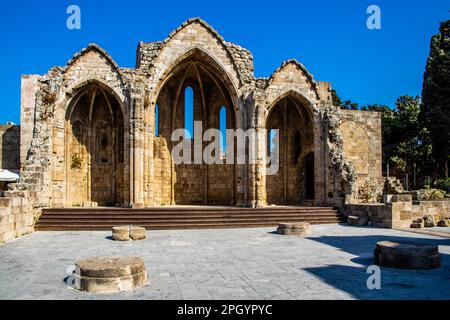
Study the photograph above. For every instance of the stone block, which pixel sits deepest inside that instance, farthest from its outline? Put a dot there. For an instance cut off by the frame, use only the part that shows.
(428, 221)
(137, 233)
(110, 274)
(294, 229)
(444, 223)
(407, 255)
(400, 198)
(121, 233)
(357, 220)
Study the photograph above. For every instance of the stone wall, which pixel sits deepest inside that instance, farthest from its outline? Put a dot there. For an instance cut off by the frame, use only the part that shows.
(362, 142)
(16, 218)
(403, 213)
(10, 147)
(222, 74)
(399, 214)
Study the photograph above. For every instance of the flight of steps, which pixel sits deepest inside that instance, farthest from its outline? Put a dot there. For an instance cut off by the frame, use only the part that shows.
(84, 219)
(394, 185)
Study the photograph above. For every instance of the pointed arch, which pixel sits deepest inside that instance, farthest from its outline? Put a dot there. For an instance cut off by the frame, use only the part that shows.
(223, 128)
(93, 47)
(94, 150)
(208, 63)
(299, 70)
(156, 120)
(189, 112)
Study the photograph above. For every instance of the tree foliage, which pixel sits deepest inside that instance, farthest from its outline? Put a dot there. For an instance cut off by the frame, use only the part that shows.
(417, 131)
(435, 110)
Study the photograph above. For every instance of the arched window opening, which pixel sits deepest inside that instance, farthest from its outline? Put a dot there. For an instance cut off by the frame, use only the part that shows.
(156, 121)
(188, 113)
(271, 141)
(296, 147)
(223, 129)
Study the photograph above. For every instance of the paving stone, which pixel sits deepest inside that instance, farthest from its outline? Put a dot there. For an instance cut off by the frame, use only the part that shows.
(330, 264)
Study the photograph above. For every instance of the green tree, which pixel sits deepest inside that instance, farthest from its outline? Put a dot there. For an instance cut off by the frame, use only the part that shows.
(435, 110)
(337, 101)
(412, 137)
(405, 140)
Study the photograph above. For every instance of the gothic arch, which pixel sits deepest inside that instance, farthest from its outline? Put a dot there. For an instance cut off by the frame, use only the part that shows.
(95, 148)
(214, 67)
(213, 88)
(293, 74)
(291, 114)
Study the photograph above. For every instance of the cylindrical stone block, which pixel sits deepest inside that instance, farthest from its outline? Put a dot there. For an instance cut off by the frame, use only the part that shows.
(407, 255)
(137, 233)
(121, 233)
(110, 274)
(294, 229)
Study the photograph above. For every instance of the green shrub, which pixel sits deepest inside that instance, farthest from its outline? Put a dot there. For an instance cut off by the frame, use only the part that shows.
(443, 184)
(430, 194)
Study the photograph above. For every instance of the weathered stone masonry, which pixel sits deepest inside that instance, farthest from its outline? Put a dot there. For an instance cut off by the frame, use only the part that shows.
(88, 129)
(9, 147)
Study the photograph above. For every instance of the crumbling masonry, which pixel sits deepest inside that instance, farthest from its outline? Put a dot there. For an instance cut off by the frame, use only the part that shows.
(88, 130)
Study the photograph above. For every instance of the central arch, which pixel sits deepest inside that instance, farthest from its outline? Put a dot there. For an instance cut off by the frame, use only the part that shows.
(95, 157)
(209, 87)
(293, 184)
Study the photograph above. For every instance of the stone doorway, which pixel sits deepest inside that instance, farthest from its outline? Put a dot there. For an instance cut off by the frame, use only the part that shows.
(95, 149)
(196, 89)
(294, 182)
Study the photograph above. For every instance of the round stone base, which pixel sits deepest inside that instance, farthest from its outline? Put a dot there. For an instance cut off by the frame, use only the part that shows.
(121, 233)
(110, 274)
(407, 255)
(125, 233)
(301, 229)
(137, 233)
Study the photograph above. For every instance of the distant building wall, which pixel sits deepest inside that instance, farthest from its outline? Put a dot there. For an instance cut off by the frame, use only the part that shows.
(10, 147)
(361, 133)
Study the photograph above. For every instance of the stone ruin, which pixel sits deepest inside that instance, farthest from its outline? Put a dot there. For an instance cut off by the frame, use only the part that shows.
(97, 134)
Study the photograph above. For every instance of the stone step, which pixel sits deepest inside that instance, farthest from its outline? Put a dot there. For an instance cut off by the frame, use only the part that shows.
(181, 221)
(91, 227)
(182, 217)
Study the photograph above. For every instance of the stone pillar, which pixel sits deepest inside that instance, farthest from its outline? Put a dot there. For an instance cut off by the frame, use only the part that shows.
(137, 149)
(29, 88)
(257, 171)
(260, 167)
(241, 171)
(320, 163)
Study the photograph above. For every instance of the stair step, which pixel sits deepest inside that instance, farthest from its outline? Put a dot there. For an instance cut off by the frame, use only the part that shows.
(179, 216)
(180, 221)
(167, 227)
(182, 217)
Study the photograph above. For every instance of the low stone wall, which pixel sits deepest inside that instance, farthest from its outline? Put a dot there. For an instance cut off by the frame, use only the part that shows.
(9, 147)
(399, 214)
(437, 209)
(16, 218)
(378, 213)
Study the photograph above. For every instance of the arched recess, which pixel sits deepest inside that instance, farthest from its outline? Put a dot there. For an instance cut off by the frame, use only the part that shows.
(196, 182)
(292, 116)
(94, 148)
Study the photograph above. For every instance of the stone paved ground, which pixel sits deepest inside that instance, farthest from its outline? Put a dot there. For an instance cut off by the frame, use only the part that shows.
(225, 264)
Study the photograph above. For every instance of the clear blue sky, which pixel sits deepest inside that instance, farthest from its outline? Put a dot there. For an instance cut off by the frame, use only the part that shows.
(329, 37)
